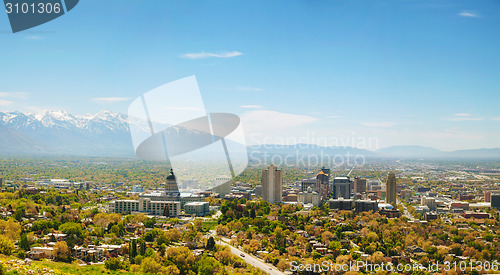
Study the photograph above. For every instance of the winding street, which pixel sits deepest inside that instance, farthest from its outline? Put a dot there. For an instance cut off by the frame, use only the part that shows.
(249, 259)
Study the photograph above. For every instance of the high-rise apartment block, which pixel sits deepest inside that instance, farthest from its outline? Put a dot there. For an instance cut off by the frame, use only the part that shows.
(391, 189)
(272, 181)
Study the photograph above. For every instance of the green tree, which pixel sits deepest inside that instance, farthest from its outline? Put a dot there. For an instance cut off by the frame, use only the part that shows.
(211, 243)
(207, 266)
(112, 264)
(150, 236)
(150, 222)
(162, 239)
(252, 214)
(142, 247)
(24, 243)
(132, 250)
(116, 264)
(150, 253)
(20, 213)
(162, 249)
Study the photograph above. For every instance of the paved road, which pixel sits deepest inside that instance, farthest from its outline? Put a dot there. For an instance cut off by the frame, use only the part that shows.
(251, 260)
(406, 213)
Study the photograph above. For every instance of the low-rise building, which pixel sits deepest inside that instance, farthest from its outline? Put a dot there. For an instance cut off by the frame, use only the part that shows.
(146, 205)
(197, 208)
(365, 205)
(48, 252)
(309, 196)
(340, 204)
(476, 215)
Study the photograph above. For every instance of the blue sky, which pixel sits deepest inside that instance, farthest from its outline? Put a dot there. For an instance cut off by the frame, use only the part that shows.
(402, 72)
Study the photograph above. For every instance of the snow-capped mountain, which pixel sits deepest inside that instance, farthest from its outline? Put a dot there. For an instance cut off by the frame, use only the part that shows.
(60, 132)
(64, 120)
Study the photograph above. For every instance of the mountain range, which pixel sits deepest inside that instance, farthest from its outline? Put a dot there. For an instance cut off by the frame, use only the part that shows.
(108, 134)
(59, 132)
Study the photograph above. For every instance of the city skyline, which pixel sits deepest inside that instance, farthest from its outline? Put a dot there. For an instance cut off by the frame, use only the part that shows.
(406, 73)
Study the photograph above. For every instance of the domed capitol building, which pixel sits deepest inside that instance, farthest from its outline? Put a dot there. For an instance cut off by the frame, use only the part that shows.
(154, 203)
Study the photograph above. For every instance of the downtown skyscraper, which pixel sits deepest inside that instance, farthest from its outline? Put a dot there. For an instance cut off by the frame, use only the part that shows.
(391, 189)
(272, 181)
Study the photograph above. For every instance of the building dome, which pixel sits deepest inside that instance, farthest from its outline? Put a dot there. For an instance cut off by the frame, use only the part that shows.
(171, 176)
(385, 206)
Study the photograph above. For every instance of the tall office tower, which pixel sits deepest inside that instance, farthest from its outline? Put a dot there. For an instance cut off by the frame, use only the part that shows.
(324, 177)
(391, 189)
(359, 185)
(272, 184)
(222, 185)
(495, 200)
(341, 187)
(171, 188)
(487, 195)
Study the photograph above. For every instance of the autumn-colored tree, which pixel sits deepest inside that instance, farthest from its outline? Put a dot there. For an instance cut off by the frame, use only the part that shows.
(6, 245)
(10, 228)
(198, 224)
(62, 252)
(182, 258)
(172, 269)
(173, 234)
(224, 256)
(221, 230)
(150, 265)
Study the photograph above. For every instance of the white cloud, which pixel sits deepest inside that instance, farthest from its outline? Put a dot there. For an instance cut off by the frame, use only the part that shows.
(251, 106)
(19, 95)
(383, 124)
(249, 89)
(468, 14)
(271, 122)
(6, 102)
(178, 108)
(496, 118)
(463, 117)
(208, 55)
(109, 99)
(34, 37)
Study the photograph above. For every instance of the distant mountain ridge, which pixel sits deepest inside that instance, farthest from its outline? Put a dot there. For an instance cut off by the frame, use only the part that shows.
(409, 151)
(59, 132)
(107, 134)
(414, 151)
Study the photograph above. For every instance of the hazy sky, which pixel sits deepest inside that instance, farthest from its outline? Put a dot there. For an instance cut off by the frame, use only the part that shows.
(398, 72)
